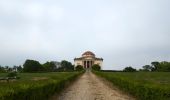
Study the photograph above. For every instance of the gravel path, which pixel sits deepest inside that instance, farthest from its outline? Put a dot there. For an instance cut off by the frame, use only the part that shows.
(91, 87)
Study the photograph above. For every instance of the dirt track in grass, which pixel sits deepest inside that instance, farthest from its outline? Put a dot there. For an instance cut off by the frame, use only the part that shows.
(91, 87)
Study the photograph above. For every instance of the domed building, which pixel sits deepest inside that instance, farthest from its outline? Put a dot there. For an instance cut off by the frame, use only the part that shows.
(87, 60)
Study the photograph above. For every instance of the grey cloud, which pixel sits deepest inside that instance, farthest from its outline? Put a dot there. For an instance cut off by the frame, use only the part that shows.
(132, 32)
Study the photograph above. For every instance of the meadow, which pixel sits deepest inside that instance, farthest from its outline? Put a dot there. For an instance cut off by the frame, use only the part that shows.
(35, 86)
(142, 85)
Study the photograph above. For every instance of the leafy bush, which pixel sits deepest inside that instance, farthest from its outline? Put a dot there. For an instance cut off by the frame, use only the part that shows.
(96, 67)
(79, 68)
(12, 74)
(129, 69)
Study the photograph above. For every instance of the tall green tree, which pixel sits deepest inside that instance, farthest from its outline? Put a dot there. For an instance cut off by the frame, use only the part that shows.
(32, 66)
(155, 65)
(65, 65)
(49, 66)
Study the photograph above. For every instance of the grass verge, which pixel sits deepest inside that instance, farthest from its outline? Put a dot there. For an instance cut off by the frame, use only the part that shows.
(143, 85)
(36, 86)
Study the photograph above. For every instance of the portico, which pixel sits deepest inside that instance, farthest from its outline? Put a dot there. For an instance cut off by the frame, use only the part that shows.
(88, 63)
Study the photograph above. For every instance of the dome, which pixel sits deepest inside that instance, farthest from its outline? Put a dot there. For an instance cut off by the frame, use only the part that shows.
(88, 53)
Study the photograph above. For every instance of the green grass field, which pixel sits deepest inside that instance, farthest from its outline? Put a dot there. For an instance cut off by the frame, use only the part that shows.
(35, 86)
(143, 85)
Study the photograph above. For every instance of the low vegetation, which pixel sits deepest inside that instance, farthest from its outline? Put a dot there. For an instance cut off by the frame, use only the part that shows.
(129, 69)
(34, 86)
(79, 68)
(143, 85)
(96, 67)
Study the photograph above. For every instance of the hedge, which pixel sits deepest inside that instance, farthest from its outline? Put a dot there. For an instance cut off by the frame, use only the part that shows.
(140, 90)
(40, 90)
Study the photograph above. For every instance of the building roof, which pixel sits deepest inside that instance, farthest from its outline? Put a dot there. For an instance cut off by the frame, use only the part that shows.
(99, 58)
(78, 58)
(88, 53)
(81, 58)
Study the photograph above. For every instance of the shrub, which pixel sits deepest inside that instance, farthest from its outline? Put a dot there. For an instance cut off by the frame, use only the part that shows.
(96, 67)
(129, 69)
(79, 68)
(12, 74)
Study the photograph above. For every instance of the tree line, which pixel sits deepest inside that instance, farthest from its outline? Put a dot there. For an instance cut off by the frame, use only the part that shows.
(155, 66)
(4, 69)
(36, 66)
(49, 66)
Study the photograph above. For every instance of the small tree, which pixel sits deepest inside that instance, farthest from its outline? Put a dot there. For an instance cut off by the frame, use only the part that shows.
(79, 68)
(129, 69)
(96, 67)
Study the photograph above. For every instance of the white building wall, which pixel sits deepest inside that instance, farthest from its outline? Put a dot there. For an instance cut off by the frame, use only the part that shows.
(78, 62)
(99, 62)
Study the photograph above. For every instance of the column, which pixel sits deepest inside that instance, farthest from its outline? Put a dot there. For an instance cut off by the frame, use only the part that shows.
(86, 65)
(91, 64)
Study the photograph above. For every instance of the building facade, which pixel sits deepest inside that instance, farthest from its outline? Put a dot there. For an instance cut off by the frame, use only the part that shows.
(87, 60)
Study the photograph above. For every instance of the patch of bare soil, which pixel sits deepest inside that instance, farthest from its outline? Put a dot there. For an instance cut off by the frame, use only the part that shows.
(91, 87)
(39, 78)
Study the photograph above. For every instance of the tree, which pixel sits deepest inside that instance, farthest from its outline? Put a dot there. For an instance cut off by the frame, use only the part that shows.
(164, 66)
(7, 68)
(79, 68)
(19, 69)
(65, 65)
(32, 66)
(155, 66)
(129, 69)
(96, 67)
(2, 69)
(147, 68)
(15, 68)
(49, 66)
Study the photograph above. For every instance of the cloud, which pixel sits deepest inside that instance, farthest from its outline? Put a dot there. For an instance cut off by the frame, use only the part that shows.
(123, 32)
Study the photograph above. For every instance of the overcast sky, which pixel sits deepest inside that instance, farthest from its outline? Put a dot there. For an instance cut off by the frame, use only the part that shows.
(122, 32)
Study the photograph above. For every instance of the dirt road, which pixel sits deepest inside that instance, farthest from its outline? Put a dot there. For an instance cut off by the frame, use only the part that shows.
(91, 87)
